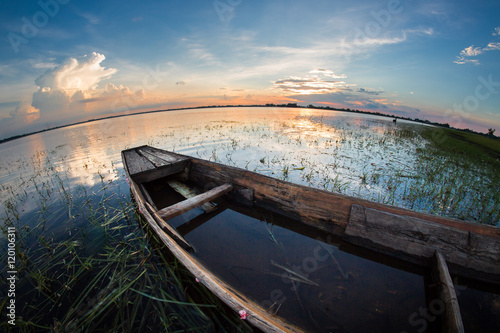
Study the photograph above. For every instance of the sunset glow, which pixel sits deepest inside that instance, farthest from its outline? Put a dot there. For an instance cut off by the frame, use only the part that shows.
(63, 61)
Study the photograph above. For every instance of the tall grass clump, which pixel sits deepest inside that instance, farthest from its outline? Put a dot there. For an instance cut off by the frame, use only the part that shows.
(458, 177)
(398, 164)
(86, 262)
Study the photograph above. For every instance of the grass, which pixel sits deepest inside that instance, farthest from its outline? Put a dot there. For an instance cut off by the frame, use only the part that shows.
(86, 263)
(402, 165)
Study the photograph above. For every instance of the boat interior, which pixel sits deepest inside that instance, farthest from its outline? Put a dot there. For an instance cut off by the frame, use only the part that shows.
(290, 259)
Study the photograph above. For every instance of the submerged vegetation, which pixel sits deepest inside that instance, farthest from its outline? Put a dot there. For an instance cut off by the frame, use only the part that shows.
(85, 263)
(424, 168)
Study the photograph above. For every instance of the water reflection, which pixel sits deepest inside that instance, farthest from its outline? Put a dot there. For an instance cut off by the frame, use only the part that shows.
(66, 183)
(299, 273)
(360, 155)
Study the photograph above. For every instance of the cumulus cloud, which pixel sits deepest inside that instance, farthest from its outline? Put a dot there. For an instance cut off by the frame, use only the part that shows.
(471, 51)
(63, 90)
(70, 91)
(27, 113)
(22, 116)
(76, 74)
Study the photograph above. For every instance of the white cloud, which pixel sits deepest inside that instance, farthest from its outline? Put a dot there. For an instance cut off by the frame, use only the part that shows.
(328, 73)
(492, 46)
(76, 74)
(309, 85)
(472, 51)
(19, 120)
(44, 65)
(462, 60)
(68, 92)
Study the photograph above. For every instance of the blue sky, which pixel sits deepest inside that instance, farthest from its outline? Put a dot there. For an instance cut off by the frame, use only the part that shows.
(67, 60)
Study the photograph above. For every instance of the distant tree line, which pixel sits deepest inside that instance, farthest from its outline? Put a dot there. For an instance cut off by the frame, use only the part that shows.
(490, 133)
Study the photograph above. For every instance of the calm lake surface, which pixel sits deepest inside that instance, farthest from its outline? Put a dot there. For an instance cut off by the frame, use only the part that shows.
(52, 184)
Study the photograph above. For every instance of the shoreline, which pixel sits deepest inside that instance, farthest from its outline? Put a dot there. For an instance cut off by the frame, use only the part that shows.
(289, 105)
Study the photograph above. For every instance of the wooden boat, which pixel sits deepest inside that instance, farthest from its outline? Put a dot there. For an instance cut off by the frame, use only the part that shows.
(435, 243)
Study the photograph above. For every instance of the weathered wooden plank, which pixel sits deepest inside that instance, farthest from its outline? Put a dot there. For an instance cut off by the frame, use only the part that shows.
(169, 229)
(155, 160)
(147, 196)
(161, 172)
(416, 240)
(188, 192)
(321, 209)
(294, 201)
(452, 317)
(164, 155)
(136, 164)
(257, 316)
(188, 204)
(142, 169)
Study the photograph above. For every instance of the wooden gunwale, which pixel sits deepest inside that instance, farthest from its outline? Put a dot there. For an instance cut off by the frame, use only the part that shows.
(332, 209)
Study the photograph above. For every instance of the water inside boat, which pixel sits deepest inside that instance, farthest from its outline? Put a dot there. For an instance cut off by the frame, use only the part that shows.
(312, 279)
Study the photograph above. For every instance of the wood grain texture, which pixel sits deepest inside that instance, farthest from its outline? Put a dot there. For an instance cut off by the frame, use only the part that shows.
(417, 240)
(257, 316)
(188, 204)
(141, 168)
(324, 210)
(405, 234)
(188, 192)
(136, 163)
(167, 228)
(452, 317)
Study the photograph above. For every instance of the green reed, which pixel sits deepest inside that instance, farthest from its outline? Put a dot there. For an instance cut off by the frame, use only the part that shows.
(86, 262)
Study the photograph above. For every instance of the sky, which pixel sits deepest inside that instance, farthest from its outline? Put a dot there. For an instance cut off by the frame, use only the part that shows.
(63, 61)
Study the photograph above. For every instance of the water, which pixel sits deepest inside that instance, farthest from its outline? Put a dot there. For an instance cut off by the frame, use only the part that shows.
(301, 274)
(68, 186)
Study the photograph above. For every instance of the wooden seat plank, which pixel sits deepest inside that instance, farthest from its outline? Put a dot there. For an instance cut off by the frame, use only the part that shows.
(188, 192)
(188, 204)
(142, 169)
